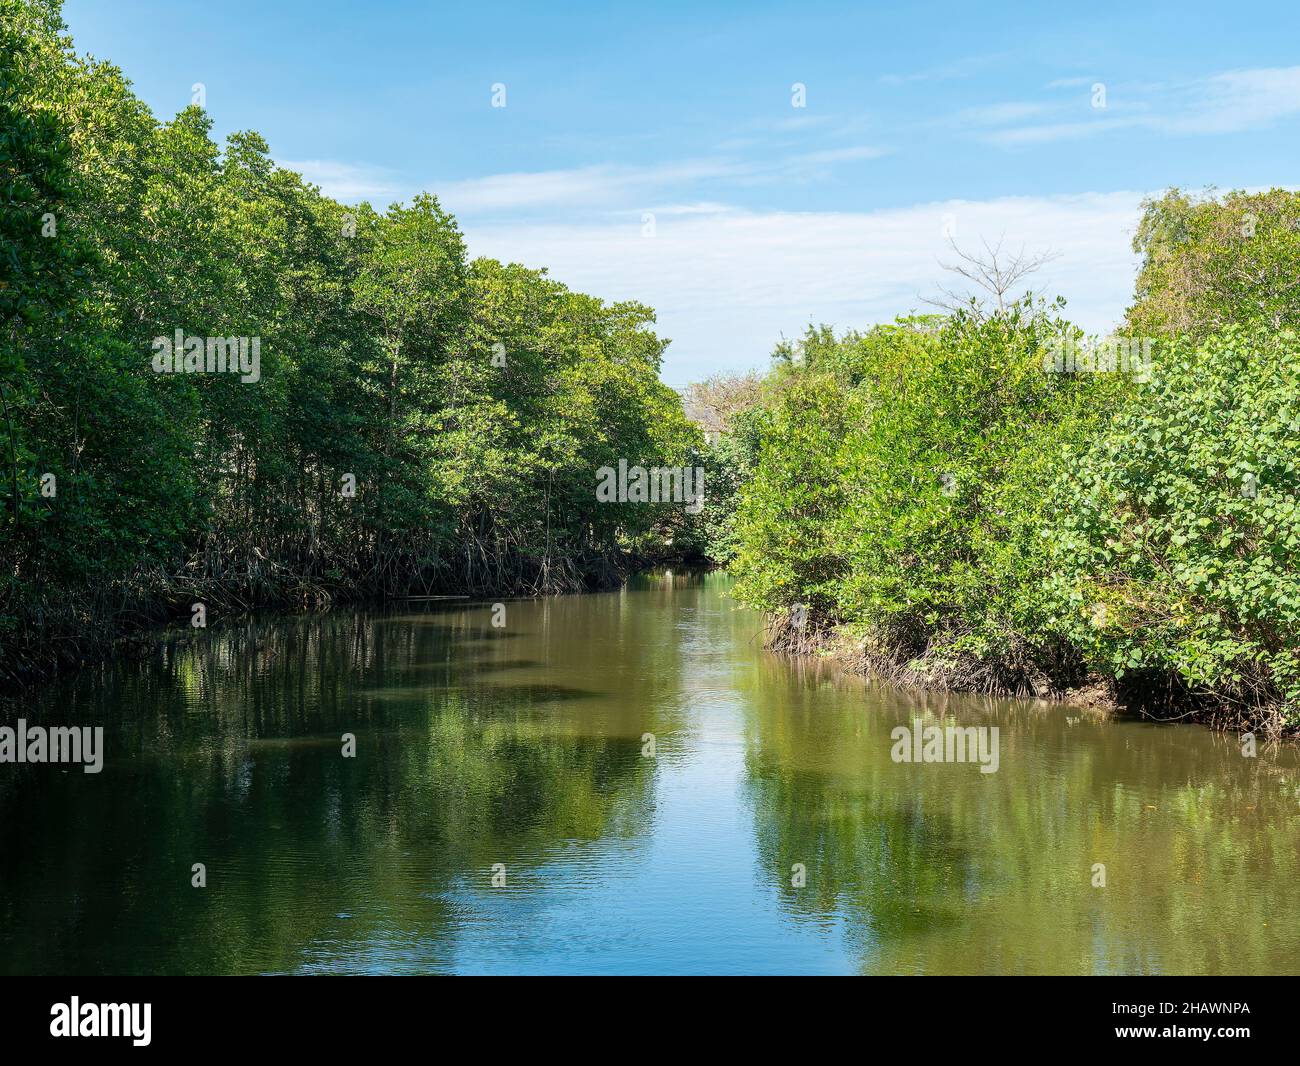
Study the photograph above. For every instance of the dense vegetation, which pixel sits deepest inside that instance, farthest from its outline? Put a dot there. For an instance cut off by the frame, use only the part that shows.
(975, 512)
(944, 492)
(418, 422)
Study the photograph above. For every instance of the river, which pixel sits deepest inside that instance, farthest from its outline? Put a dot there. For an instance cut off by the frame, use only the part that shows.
(614, 783)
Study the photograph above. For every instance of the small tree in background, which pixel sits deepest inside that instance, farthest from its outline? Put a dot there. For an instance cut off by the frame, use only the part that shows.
(1209, 262)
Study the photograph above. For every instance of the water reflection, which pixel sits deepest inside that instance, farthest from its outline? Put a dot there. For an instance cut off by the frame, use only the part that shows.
(523, 749)
(941, 869)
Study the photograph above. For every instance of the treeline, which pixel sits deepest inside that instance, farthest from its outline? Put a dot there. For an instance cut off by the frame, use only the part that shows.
(987, 500)
(415, 420)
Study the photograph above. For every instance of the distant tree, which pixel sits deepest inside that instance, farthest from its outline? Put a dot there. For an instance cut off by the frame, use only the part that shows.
(715, 402)
(1209, 262)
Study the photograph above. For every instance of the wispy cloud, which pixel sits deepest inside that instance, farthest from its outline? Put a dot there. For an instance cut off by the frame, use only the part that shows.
(702, 208)
(842, 155)
(604, 185)
(1076, 82)
(999, 114)
(1062, 131)
(347, 182)
(610, 186)
(1231, 102)
(1240, 100)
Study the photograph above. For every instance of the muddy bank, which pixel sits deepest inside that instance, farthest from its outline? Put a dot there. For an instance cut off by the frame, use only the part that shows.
(1145, 695)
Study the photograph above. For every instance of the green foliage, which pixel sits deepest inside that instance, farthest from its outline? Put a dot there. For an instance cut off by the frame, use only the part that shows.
(472, 402)
(977, 523)
(973, 520)
(730, 411)
(788, 552)
(728, 466)
(1208, 263)
(1176, 546)
(902, 481)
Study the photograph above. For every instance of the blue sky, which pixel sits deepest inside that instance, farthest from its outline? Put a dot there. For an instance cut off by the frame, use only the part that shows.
(919, 120)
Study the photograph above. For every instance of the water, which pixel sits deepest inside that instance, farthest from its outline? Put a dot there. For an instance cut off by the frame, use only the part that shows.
(523, 746)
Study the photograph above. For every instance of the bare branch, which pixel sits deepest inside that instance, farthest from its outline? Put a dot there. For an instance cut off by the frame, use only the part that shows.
(995, 272)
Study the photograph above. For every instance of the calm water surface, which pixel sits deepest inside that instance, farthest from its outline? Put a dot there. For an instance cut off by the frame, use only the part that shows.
(523, 746)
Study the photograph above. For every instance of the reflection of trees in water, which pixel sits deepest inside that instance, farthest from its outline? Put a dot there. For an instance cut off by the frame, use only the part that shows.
(822, 799)
(478, 746)
(943, 869)
(231, 753)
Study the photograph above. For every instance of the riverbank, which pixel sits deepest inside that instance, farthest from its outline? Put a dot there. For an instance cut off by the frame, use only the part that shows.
(977, 520)
(133, 618)
(1153, 698)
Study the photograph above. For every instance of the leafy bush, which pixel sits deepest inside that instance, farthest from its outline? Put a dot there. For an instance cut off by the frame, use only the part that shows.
(1177, 541)
(975, 522)
(901, 486)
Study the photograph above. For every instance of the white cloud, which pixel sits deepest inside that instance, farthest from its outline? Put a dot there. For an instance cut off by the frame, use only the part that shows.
(1063, 131)
(611, 187)
(704, 207)
(594, 185)
(347, 182)
(1071, 83)
(728, 284)
(997, 114)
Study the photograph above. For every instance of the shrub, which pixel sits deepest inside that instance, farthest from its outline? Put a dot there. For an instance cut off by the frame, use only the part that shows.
(902, 486)
(1177, 539)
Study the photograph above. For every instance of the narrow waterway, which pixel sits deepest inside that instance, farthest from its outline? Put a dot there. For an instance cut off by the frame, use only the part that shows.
(616, 783)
